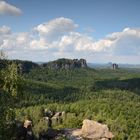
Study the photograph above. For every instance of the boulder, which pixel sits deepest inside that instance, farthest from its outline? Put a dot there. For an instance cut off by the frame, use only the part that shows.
(91, 130)
(57, 114)
(94, 130)
(27, 123)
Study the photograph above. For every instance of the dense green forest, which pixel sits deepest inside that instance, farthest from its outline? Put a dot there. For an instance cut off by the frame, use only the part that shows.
(105, 95)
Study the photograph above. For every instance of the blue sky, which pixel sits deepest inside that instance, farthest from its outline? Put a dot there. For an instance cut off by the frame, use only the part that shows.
(97, 30)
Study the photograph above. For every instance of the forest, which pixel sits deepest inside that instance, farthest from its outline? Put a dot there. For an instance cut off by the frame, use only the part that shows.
(105, 95)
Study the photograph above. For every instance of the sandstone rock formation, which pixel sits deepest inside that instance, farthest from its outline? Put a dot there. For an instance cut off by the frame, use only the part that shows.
(27, 123)
(66, 64)
(94, 130)
(90, 130)
(55, 117)
(114, 66)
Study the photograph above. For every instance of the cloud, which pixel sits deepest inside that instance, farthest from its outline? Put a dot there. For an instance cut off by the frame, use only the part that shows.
(4, 30)
(58, 38)
(14, 41)
(55, 28)
(8, 9)
(80, 42)
(126, 42)
(40, 44)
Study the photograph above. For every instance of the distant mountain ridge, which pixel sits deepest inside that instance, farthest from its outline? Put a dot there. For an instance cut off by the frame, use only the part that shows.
(64, 63)
(26, 66)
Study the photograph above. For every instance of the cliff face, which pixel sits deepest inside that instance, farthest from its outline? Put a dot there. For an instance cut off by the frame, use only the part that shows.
(66, 64)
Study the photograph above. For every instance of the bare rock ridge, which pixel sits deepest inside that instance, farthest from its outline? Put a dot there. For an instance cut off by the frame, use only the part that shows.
(66, 64)
(91, 130)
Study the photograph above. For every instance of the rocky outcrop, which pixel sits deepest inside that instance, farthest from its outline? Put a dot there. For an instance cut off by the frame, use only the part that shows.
(66, 64)
(94, 130)
(24, 131)
(90, 130)
(54, 117)
(114, 66)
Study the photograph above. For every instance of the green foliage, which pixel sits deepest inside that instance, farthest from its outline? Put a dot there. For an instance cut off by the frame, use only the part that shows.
(10, 78)
(72, 121)
(10, 87)
(40, 126)
(108, 96)
(23, 66)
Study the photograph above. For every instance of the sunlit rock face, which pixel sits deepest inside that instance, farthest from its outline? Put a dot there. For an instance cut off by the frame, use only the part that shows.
(66, 64)
(90, 130)
(94, 130)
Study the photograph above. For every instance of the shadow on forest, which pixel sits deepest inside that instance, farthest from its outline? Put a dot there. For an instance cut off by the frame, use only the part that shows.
(128, 84)
(57, 94)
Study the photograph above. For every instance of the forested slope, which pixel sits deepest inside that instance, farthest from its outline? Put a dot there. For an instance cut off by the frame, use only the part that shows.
(108, 96)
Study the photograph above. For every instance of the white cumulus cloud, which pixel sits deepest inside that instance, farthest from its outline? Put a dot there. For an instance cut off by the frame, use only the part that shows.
(40, 44)
(55, 28)
(6, 8)
(80, 42)
(4, 30)
(58, 38)
(126, 42)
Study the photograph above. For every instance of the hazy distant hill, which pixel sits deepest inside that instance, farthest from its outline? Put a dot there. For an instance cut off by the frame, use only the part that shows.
(109, 65)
